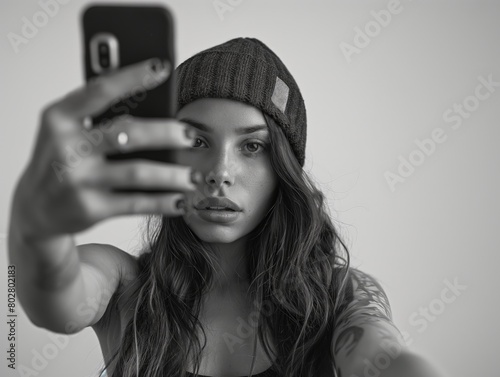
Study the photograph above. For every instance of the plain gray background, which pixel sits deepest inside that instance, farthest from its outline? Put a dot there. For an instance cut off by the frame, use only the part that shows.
(365, 111)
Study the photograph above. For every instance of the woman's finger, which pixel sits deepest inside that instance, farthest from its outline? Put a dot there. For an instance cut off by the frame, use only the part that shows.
(139, 134)
(103, 204)
(105, 90)
(141, 175)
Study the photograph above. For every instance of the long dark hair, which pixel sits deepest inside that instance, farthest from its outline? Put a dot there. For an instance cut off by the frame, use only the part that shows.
(297, 270)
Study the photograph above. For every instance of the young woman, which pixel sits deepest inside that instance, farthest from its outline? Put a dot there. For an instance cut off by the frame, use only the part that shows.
(243, 272)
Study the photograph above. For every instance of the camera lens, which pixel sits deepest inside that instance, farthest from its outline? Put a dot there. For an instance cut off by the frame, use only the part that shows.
(104, 52)
(104, 62)
(103, 48)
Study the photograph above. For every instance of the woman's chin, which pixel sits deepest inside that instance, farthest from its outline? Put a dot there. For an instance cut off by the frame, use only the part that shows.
(211, 234)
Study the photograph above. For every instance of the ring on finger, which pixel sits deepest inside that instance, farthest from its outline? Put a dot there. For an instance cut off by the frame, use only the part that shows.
(122, 138)
(87, 123)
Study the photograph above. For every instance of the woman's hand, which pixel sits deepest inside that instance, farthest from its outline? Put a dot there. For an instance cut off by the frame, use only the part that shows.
(67, 185)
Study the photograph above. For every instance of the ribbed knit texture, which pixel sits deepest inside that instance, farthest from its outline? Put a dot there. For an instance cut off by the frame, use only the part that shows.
(246, 70)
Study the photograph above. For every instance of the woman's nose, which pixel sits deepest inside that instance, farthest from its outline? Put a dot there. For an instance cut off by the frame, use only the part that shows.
(222, 170)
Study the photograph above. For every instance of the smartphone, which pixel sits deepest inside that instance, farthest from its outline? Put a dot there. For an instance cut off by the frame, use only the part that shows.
(115, 36)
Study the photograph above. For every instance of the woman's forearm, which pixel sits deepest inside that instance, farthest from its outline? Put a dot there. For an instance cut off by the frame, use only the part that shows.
(406, 364)
(44, 269)
(45, 262)
(378, 350)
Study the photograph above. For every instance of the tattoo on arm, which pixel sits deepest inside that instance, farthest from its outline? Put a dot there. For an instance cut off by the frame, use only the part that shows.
(369, 305)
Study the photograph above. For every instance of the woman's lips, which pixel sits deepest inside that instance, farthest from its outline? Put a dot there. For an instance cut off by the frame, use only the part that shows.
(218, 215)
(217, 202)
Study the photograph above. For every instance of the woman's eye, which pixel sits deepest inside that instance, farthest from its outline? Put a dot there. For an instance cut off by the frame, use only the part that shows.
(254, 147)
(196, 141)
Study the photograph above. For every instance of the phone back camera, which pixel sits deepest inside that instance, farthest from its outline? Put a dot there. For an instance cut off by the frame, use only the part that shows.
(104, 54)
(103, 48)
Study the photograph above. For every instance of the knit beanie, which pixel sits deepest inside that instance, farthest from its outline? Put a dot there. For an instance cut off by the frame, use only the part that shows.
(246, 70)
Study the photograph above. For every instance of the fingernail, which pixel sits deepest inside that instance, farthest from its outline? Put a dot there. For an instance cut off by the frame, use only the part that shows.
(196, 176)
(160, 66)
(180, 204)
(190, 132)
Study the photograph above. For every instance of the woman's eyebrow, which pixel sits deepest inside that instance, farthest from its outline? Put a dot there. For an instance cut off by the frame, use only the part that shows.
(240, 130)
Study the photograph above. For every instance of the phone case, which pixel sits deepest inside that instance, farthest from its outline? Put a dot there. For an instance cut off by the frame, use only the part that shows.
(141, 32)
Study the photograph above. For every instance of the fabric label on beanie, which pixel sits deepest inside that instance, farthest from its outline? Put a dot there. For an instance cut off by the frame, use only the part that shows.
(280, 94)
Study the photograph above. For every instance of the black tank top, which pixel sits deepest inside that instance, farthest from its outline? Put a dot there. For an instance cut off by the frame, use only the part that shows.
(270, 372)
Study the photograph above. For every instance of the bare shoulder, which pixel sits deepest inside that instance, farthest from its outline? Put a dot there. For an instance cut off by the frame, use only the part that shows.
(369, 297)
(112, 269)
(115, 264)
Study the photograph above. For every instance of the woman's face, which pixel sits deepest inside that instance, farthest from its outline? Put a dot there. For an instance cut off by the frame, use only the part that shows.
(231, 149)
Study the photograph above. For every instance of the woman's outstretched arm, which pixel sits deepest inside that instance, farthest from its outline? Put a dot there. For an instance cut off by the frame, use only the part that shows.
(67, 188)
(63, 287)
(367, 343)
